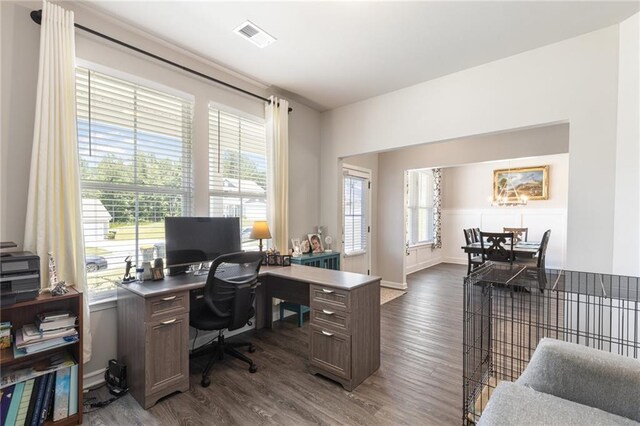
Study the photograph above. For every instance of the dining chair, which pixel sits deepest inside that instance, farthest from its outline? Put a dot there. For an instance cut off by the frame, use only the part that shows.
(497, 246)
(474, 260)
(520, 234)
(476, 234)
(540, 257)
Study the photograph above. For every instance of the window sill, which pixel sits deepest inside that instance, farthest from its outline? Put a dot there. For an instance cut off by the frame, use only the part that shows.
(355, 253)
(421, 245)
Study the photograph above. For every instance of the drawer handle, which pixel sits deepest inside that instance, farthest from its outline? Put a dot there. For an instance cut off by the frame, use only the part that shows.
(324, 311)
(166, 299)
(327, 291)
(167, 322)
(326, 333)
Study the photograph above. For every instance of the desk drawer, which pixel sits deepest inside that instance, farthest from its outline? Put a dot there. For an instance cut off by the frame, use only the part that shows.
(330, 351)
(331, 297)
(324, 316)
(169, 304)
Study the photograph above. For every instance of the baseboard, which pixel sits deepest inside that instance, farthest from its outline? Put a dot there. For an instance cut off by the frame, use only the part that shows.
(93, 379)
(455, 260)
(423, 265)
(394, 285)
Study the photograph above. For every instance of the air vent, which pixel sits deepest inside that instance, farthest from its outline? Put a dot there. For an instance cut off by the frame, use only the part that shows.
(254, 34)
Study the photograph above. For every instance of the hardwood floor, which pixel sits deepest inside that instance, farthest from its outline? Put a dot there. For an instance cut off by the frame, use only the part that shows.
(419, 381)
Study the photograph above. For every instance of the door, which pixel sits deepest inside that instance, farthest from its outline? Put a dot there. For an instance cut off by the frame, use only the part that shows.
(356, 214)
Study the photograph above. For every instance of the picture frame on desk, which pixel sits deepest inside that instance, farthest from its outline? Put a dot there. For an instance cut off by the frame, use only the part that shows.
(157, 274)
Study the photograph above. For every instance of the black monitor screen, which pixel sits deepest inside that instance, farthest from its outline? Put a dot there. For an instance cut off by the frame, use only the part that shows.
(199, 239)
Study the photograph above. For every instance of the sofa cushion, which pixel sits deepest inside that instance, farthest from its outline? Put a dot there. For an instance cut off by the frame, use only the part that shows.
(513, 404)
(585, 375)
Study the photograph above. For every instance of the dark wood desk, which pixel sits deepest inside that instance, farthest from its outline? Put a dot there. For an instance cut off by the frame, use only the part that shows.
(344, 335)
(523, 249)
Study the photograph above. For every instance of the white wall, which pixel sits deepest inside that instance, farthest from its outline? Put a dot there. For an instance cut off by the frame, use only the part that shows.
(626, 255)
(573, 81)
(391, 251)
(20, 46)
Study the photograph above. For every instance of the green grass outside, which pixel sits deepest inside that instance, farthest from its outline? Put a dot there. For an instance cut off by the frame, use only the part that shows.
(154, 230)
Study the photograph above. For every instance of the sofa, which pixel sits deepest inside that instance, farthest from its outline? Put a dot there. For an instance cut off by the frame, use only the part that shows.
(569, 384)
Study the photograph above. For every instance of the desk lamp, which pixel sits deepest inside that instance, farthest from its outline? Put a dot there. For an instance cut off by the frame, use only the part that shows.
(260, 231)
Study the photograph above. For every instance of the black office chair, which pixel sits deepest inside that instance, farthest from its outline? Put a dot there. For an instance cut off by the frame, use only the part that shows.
(228, 304)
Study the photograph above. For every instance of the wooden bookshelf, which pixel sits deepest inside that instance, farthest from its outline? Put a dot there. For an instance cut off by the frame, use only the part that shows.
(25, 313)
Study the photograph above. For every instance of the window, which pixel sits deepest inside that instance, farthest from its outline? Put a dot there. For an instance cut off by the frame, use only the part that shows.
(419, 206)
(356, 186)
(237, 170)
(135, 169)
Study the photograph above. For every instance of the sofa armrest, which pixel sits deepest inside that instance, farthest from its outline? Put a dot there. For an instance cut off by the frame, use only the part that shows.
(585, 375)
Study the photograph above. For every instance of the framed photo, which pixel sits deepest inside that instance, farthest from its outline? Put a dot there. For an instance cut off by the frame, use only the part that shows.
(315, 243)
(304, 246)
(532, 182)
(157, 274)
(295, 242)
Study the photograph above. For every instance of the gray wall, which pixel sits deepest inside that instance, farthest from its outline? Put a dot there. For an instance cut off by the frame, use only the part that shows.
(20, 46)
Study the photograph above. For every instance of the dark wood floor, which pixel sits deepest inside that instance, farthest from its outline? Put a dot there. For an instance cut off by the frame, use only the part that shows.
(419, 381)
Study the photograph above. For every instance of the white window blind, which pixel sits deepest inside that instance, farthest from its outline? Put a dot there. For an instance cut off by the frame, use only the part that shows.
(419, 206)
(237, 170)
(355, 214)
(135, 165)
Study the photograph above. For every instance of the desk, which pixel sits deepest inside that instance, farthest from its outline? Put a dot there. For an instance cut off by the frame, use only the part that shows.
(524, 249)
(344, 333)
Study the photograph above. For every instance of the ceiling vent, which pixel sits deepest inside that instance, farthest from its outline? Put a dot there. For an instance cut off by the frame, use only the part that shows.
(254, 34)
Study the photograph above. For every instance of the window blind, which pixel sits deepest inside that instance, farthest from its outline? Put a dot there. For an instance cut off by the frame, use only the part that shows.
(135, 167)
(237, 170)
(355, 210)
(419, 206)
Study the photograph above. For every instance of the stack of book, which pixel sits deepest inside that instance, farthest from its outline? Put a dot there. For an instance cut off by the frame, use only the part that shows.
(31, 396)
(51, 330)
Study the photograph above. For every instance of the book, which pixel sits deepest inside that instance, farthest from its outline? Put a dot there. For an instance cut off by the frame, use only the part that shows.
(24, 402)
(43, 346)
(30, 334)
(54, 315)
(73, 390)
(61, 398)
(5, 335)
(32, 400)
(48, 398)
(55, 324)
(37, 408)
(12, 414)
(6, 395)
(35, 368)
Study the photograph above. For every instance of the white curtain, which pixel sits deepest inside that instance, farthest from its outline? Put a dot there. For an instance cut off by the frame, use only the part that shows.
(277, 128)
(54, 209)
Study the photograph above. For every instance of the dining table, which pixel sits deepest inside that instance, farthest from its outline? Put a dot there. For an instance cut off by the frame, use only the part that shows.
(522, 249)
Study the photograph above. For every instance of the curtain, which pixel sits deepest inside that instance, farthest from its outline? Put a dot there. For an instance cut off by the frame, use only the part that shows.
(277, 128)
(437, 208)
(54, 206)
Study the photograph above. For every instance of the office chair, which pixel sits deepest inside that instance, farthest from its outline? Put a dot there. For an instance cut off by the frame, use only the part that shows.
(228, 304)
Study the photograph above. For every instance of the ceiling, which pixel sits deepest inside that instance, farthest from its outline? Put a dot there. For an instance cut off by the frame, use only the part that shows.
(330, 54)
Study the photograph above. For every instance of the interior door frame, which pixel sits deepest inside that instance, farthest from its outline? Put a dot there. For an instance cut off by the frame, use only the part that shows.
(365, 173)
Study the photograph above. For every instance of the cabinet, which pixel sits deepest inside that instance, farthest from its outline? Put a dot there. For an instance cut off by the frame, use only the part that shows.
(22, 313)
(145, 326)
(344, 335)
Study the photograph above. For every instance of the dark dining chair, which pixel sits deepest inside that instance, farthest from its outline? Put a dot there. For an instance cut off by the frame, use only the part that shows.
(497, 246)
(520, 234)
(474, 260)
(476, 234)
(541, 256)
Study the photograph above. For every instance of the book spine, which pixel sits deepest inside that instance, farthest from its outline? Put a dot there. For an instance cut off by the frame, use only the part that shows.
(24, 403)
(5, 401)
(61, 397)
(12, 414)
(37, 409)
(73, 390)
(48, 399)
(33, 399)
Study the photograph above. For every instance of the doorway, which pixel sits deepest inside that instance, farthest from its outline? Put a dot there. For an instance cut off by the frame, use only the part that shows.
(356, 223)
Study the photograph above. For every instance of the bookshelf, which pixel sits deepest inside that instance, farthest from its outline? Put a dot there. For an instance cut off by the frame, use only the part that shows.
(25, 313)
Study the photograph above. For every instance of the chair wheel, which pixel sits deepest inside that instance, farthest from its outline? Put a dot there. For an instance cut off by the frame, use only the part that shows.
(253, 368)
(252, 349)
(205, 382)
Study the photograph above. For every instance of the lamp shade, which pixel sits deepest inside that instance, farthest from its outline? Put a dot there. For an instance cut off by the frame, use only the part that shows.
(260, 230)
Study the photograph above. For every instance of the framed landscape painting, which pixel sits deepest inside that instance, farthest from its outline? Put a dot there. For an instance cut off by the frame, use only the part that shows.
(532, 182)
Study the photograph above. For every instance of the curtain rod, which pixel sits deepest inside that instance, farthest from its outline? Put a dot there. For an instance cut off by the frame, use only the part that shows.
(36, 16)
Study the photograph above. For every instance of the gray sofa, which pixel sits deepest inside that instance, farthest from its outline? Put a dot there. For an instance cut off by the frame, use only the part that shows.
(567, 384)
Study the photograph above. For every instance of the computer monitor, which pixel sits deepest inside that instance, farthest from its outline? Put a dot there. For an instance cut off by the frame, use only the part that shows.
(191, 240)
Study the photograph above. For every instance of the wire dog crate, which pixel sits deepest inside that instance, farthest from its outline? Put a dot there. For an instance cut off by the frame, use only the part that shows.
(508, 309)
